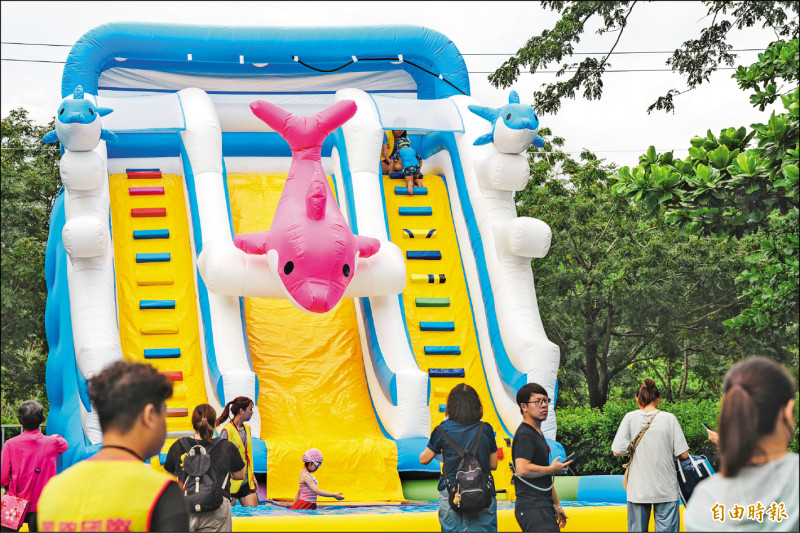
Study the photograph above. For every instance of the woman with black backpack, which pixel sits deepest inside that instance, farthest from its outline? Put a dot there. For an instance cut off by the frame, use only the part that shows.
(205, 465)
(467, 447)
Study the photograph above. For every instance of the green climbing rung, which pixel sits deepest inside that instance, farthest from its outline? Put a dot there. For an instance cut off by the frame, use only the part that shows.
(432, 302)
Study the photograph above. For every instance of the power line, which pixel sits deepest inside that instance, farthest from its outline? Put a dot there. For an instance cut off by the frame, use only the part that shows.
(468, 72)
(566, 71)
(620, 53)
(31, 60)
(35, 44)
(470, 54)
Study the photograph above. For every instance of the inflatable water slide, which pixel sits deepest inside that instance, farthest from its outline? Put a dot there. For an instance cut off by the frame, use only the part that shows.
(143, 261)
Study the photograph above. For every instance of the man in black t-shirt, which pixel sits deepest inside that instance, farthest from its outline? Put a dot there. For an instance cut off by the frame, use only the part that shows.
(537, 507)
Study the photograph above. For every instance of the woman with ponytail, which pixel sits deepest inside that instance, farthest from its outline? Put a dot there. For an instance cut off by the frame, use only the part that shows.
(759, 474)
(232, 427)
(225, 461)
(652, 482)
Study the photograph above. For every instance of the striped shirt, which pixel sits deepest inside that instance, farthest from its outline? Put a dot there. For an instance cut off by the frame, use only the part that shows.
(306, 494)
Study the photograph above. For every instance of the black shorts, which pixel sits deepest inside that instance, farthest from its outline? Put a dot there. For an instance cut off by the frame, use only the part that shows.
(244, 490)
(410, 171)
(537, 518)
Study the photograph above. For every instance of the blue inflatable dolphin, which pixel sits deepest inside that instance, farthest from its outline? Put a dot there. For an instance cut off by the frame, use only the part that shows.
(78, 124)
(517, 129)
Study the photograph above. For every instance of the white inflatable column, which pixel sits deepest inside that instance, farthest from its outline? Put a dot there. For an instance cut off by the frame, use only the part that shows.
(202, 139)
(363, 138)
(90, 269)
(509, 244)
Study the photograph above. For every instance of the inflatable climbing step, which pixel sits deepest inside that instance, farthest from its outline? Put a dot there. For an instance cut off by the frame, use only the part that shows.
(156, 284)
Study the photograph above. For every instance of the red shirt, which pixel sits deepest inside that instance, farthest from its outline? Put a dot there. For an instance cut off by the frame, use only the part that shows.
(22, 456)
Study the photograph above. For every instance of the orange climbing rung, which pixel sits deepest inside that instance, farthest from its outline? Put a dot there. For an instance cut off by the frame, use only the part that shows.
(138, 212)
(174, 375)
(177, 411)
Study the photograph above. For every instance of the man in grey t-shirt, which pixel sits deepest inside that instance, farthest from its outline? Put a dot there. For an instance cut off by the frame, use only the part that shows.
(652, 480)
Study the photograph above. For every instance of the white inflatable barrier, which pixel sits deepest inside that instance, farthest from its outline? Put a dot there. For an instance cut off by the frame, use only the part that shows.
(410, 416)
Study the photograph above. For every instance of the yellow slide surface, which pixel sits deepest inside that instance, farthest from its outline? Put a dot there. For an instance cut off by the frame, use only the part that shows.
(313, 389)
(437, 306)
(167, 338)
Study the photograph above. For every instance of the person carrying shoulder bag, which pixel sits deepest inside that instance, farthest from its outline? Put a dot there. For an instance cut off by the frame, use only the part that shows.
(652, 439)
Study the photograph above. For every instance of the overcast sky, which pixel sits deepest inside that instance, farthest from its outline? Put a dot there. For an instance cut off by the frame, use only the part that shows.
(617, 127)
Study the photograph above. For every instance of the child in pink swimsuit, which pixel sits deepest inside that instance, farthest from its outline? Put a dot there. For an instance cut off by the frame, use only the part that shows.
(308, 491)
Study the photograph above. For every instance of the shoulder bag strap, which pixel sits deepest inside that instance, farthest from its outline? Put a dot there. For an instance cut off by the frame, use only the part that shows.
(525, 481)
(635, 442)
(478, 437)
(452, 445)
(450, 441)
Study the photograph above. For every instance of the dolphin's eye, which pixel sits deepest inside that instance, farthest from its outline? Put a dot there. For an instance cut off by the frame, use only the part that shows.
(508, 117)
(346, 270)
(61, 112)
(90, 111)
(288, 267)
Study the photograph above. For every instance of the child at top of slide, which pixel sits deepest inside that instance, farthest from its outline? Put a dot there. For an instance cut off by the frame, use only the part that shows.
(408, 158)
(306, 497)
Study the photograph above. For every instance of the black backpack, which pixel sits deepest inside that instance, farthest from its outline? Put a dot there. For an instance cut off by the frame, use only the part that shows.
(472, 489)
(202, 484)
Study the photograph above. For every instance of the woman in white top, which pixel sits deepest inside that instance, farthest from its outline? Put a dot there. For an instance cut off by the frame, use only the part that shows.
(757, 489)
(652, 482)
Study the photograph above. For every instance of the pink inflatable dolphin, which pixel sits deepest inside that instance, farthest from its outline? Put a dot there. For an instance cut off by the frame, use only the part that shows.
(309, 246)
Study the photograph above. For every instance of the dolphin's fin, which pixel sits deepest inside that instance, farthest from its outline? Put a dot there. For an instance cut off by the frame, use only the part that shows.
(316, 200)
(50, 137)
(334, 116)
(367, 246)
(103, 111)
(108, 136)
(538, 142)
(513, 97)
(487, 113)
(252, 243)
(483, 139)
(275, 117)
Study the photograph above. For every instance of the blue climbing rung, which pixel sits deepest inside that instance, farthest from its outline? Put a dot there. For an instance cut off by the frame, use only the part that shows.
(162, 353)
(153, 258)
(403, 191)
(156, 304)
(429, 255)
(162, 458)
(437, 326)
(442, 407)
(415, 211)
(151, 234)
(446, 372)
(443, 350)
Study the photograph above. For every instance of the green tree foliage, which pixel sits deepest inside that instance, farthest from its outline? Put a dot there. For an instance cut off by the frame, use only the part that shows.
(30, 184)
(696, 59)
(619, 289)
(731, 189)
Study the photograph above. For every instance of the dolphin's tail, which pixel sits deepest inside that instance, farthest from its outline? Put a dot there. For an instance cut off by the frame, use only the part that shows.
(303, 133)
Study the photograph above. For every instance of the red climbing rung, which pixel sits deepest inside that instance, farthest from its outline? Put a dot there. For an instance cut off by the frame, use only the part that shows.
(174, 375)
(177, 411)
(144, 174)
(149, 212)
(141, 191)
